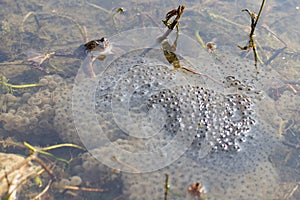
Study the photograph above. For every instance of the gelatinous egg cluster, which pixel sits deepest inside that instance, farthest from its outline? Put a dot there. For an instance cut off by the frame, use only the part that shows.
(230, 142)
(220, 122)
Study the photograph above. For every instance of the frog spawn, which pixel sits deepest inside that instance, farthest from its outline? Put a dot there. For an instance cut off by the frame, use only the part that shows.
(122, 95)
(230, 143)
(222, 121)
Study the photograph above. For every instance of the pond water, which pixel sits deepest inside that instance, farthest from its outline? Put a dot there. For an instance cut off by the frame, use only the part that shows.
(218, 126)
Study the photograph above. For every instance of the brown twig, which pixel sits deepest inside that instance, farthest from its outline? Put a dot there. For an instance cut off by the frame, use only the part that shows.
(201, 74)
(251, 43)
(47, 169)
(126, 165)
(166, 187)
(69, 187)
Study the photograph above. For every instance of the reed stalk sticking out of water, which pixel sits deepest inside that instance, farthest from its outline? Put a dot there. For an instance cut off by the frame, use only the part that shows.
(251, 43)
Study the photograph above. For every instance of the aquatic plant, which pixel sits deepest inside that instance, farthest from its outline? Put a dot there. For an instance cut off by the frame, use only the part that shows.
(10, 87)
(251, 44)
(20, 173)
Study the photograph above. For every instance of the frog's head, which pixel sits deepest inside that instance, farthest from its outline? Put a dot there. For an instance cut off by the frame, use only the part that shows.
(101, 46)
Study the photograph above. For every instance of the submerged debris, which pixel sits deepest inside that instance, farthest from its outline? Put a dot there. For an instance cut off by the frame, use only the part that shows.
(197, 190)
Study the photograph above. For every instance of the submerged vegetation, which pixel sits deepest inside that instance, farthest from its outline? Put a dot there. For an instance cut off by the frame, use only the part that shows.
(10, 87)
(21, 172)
